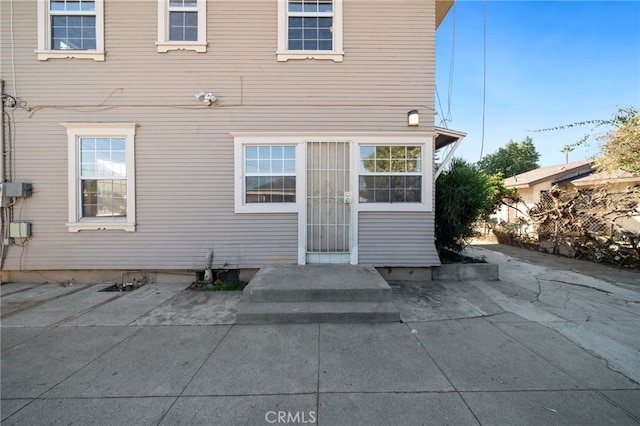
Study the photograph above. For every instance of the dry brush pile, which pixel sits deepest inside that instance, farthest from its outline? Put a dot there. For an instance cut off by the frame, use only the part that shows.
(595, 223)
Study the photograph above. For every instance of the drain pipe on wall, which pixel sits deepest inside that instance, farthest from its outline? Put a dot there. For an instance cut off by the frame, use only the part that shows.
(3, 130)
(208, 273)
(4, 214)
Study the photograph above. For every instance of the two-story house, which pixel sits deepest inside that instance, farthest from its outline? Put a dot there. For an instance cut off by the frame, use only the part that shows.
(267, 131)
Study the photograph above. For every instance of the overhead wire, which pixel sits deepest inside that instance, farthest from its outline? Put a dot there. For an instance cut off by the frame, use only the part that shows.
(446, 117)
(484, 73)
(451, 66)
(13, 49)
(443, 120)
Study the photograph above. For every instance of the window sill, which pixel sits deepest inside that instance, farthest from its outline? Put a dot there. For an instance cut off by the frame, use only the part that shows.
(394, 207)
(164, 47)
(267, 208)
(100, 226)
(44, 55)
(321, 55)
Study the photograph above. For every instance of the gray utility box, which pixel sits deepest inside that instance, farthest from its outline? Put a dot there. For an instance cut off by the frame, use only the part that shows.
(19, 229)
(16, 189)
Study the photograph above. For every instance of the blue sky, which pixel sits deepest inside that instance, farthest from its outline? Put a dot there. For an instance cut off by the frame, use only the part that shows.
(548, 63)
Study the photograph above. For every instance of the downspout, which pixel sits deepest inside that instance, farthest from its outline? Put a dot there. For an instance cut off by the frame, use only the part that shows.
(3, 233)
(208, 272)
(2, 140)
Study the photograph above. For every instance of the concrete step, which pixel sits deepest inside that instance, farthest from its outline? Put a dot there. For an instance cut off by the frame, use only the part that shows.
(317, 283)
(316, 293)
(265, 295)
(316, 312)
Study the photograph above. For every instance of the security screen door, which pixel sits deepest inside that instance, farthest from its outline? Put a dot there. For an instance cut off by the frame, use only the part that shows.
(328, 198)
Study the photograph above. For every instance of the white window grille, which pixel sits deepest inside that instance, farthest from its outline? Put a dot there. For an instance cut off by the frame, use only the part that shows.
(310, 29)
(101, 176)
(390, 174)
(270, 174)
(70, 29)
(182, 25)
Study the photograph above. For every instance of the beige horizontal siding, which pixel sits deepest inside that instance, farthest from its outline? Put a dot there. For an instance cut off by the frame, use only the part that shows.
(184, 150)
(397, 239)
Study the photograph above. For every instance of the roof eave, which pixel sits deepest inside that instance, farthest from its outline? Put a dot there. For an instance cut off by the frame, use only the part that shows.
(442, 8)
(446, 137)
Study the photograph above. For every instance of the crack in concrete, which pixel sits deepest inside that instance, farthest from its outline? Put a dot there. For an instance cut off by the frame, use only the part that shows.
(566, 300)
(579, 285)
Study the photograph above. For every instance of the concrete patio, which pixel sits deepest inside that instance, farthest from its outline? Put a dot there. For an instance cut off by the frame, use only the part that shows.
(490, 353)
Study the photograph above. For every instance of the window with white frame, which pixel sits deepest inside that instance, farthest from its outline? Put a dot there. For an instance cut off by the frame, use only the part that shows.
(267, 171)
(101, 176)
(182, 25)
(310, 29)
(390, 174)
(70, 29)
(270, 174)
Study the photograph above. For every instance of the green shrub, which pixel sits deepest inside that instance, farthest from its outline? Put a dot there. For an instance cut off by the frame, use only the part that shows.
(463, 193)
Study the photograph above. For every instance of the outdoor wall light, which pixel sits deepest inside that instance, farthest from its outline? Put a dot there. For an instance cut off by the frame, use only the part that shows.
(206, 98)
(413, 118)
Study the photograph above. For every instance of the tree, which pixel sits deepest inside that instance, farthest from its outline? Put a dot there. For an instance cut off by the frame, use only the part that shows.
(499, 193)
(463, 193)
(512, 159)
(566, 150)
(621, 147)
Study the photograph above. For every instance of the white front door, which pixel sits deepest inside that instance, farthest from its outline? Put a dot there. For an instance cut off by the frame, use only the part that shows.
(328, 197)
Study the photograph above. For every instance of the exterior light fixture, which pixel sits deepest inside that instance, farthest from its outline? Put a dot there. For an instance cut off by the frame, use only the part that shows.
(206, 98)
(413, 118)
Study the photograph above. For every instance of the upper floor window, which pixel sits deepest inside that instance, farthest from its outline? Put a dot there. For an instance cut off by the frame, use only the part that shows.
(71, 29)
(182, 25)
(101, 176)
(310, 29)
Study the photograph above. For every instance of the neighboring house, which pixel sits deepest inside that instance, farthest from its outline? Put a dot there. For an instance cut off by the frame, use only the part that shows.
(531, 184)
(617, 181)
(531, 187)
(268, 131)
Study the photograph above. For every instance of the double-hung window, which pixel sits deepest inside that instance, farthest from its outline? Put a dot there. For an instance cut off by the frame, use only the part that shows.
(267, 174)
(310, 29)
(182, 25)
(390, 174)
(101, 176)
(71, 29)
(270, 174)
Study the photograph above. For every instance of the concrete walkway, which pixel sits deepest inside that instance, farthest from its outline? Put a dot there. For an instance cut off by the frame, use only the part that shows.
(473, 353)
(595, 306)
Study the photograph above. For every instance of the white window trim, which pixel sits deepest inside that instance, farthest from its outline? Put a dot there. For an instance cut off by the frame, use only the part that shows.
(356, 139)
(424, 140)
(45, 52)
(76, 130)
(239, 182)
(283, 54)
(164, 44)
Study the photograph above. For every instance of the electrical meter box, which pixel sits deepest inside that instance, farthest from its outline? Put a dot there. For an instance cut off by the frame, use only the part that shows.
(19, 229)
(16, 189)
